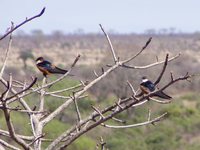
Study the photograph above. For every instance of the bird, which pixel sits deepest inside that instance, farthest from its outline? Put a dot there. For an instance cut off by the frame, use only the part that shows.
(147, 87)
(48, 68)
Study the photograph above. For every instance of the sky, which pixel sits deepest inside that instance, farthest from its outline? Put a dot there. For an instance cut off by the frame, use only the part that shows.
(121, 16)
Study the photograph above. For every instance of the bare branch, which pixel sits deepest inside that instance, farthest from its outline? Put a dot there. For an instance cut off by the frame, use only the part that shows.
(77, 109)
(187, 76)
(75, 61)
(27, 20)
(23, 111)
(42, 92)
(27, 88)
(138, 124)
(6, 56)
(131, 87)
(118, 104)
(101, 143)
(39, 137)
(143, 48)
(150, 65)
(163, 70)
(64, 90)
(98, 111)
(95, 73)
(171, 75)
(6, 134)
(110, 44)
(5, 94)
(118, 120)
(5, 144)
(11, 129)
(149, 115)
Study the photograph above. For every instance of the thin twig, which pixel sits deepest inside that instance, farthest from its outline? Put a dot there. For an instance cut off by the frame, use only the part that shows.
(138, 124)
(149, 115)
(77, 109)
(6, 56)
(27, 20)
(64, 90)
(118, 120)
(5, 144)
(150, 65)
(110, 44)
(39, 137)
(27, 88)
(95, 73)
(98, 111)
(131, 87)
(163, 70)
(143, 48)
(42, 91)
(11, 129)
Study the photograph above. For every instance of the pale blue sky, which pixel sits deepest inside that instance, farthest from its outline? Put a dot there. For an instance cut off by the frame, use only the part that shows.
(124, 16)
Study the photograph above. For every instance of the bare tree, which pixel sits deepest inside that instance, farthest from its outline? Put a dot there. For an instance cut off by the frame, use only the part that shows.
(39, 118)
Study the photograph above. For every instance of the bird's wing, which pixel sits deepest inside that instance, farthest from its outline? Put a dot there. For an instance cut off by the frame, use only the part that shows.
(58, 70)
(150, 86)
(47, 65)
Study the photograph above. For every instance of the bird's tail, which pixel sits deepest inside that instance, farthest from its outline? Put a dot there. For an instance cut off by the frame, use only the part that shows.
(161, 94)
(59, 71)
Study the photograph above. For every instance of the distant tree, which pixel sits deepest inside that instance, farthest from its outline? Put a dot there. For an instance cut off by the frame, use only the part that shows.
(58, 34)
(37, 33)
(172, 30)
(79, 31)
(163, 31)
(21, 33)
(25, 55)
(150, 31)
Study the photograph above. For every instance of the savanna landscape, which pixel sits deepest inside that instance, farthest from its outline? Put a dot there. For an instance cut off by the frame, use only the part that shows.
(180, 130)
(101, 98)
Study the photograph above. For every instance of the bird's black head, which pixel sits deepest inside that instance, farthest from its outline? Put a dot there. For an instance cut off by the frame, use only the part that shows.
(144, 77)
(39, 59)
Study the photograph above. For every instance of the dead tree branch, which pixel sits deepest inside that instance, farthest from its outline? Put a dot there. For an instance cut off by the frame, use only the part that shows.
(163, 70)
(8, 119)
(159, 118)
(26, 21)
(110, 44)
(7, 54)
(7, 145)
(77, 109)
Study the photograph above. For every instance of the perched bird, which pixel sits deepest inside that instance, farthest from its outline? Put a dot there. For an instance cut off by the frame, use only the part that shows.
(147, 86)
(47, 67)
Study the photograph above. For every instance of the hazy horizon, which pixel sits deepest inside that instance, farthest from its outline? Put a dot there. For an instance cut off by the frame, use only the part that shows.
(129, 16)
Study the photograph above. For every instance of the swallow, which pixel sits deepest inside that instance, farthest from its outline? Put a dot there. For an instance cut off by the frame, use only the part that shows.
(147, 87)
(48, 68)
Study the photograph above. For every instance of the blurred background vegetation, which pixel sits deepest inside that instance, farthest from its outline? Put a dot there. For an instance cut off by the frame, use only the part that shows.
(180, 131)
